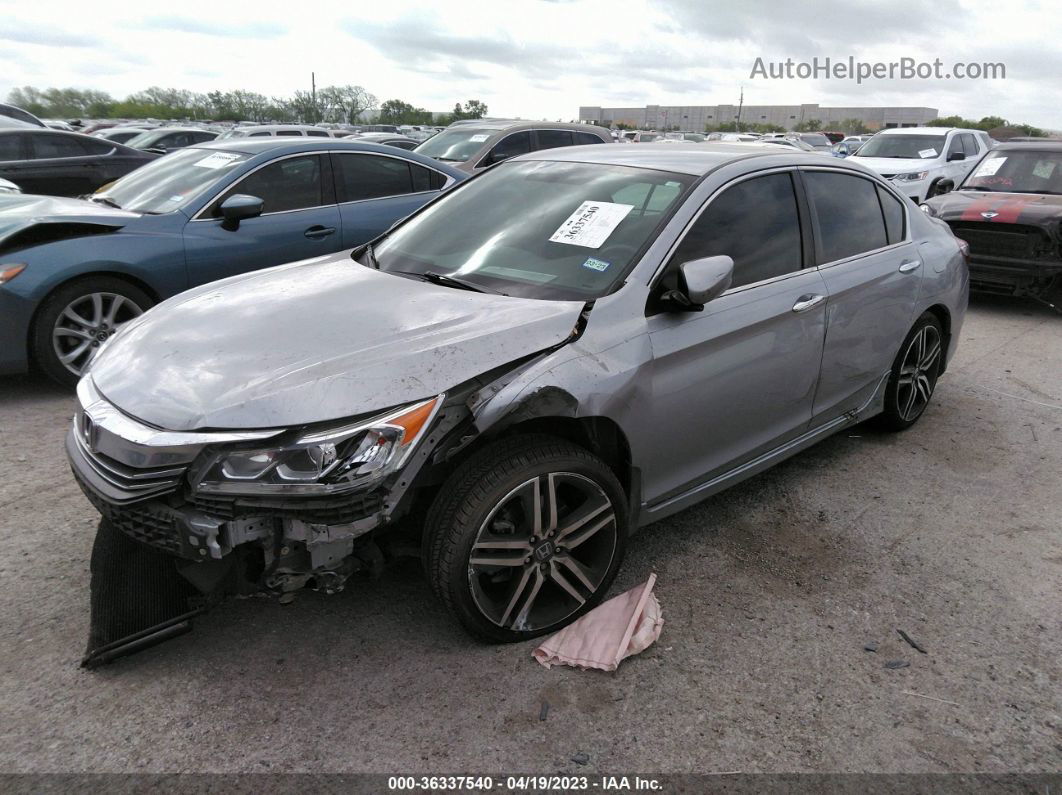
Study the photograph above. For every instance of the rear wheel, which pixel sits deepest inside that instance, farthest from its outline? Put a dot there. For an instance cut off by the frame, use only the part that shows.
(75, 320)
(525, 537)
(914, 375)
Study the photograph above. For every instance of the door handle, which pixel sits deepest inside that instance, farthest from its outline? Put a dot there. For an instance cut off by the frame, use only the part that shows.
(806, 302)
(319, 232)
(910, 265)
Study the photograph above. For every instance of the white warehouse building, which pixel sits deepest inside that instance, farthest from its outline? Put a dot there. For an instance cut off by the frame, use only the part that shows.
(695, 118)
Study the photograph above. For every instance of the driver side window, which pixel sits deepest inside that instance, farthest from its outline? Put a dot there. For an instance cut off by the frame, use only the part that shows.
(509, 146)
(293, 183)
(756, 223)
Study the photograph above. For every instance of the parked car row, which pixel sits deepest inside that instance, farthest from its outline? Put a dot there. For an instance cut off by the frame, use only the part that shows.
(485, 374)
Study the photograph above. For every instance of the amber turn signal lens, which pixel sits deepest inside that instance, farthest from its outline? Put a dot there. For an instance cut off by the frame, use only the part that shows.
(414, 420)
(9, 272)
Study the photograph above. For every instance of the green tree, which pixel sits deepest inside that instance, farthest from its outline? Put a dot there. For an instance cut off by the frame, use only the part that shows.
(345, 103)
(395, 111)
(853, 127)
(808, 125)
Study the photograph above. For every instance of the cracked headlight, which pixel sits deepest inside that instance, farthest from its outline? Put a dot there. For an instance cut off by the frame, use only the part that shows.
(323, 462)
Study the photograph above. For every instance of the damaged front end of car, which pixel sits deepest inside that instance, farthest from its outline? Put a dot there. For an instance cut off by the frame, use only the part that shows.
(192, 517)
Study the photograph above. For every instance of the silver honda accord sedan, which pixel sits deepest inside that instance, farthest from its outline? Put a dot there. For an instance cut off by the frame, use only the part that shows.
(574, 344)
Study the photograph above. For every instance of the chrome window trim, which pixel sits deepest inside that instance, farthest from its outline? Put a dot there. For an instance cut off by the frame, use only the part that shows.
(879, 181)
(200, 217)
(685, 230)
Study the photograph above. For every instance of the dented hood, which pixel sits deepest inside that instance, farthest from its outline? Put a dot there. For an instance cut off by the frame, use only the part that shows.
(20, 212)
(313, 341)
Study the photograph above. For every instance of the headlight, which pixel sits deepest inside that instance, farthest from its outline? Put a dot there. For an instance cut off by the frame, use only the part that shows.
(325, 462)
(912, 177)
(928, 210)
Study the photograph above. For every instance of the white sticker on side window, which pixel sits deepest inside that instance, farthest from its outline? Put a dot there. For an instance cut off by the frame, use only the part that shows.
(479, 138)
(927, 153)
(591, 224)
(216, 160)
(989, 167)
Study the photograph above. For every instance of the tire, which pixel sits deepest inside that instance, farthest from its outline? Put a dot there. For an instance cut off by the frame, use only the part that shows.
(514, 589)
(71, 319)
(931, 191)
(914, 375)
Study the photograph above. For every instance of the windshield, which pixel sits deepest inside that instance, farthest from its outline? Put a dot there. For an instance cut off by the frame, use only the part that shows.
(903, 146)
(1012, 171)
(456, 145)
(169, 183)
(815, 139)
(539, 229)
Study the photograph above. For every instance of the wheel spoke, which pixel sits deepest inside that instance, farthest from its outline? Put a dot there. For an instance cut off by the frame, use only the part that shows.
(930, 358)
(577, 569)
(575, 538)
(924, 388)
(112, 312)
(562, 581)
(488, 552)
(97, 309)
(65, 331)
(589, 510)
(74, 316)
(520, 622)
(68, 358)
(909, 403)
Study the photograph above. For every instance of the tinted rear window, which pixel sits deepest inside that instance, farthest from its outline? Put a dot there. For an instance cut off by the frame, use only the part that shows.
(849, 214)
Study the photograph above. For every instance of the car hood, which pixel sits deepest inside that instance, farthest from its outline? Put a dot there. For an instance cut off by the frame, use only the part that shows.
(1032, 209)
(63, 217)
(895, 165)
(317, 340)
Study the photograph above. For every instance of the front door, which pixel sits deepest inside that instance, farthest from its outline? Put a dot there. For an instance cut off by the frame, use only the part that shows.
(300, 220)
(737, 379)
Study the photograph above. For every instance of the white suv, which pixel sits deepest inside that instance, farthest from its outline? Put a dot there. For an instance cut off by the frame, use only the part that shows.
(917, 159)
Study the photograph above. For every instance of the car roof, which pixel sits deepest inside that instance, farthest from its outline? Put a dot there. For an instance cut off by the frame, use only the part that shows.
(505, 124)
(925, 130)
(177, 129)
(1046, 145)
(694, 159)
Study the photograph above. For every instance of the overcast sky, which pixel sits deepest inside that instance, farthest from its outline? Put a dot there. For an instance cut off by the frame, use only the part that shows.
(543, 58)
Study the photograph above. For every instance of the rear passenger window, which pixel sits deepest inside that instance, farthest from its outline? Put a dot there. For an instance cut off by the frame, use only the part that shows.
(318, 133)
(551, 139)
(360, 177)
(289, 132)
(848, 212)
(894, 215)
(582, 138)
(756, 224)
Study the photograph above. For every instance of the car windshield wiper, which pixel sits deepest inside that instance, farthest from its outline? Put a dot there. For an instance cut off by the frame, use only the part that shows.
(452, 281)
(106, 200)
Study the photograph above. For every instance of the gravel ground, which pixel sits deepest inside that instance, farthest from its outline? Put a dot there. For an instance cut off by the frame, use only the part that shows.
(770, 592)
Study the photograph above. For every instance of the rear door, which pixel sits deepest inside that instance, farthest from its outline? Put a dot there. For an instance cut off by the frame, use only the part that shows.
(14, 151)
(374, 191)
(300, 220)
(873, 273)
(738, 378)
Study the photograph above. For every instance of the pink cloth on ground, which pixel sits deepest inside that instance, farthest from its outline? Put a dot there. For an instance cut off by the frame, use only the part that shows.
(608, 634)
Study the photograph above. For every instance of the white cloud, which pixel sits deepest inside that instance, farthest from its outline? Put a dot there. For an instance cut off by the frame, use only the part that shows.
(544, 59)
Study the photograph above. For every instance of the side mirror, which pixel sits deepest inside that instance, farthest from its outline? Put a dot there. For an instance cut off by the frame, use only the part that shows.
(497, 157)
(956, 156)
(700, 281)
(158, 150)
(240, 207)
(945, 186)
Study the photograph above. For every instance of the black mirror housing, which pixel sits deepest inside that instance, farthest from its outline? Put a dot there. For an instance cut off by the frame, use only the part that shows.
(240, 207)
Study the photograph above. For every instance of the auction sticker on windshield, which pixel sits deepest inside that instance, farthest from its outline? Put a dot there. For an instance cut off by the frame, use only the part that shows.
(216, 160)
(989, 167)
(927, 153)
(591, 224)
(478, 139)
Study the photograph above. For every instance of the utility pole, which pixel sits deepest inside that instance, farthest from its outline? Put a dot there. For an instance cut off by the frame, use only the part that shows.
(741, 104)
(313, 96)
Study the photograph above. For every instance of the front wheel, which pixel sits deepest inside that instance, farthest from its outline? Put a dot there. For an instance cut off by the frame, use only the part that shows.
(525, 536)
(914, 375)
(75, 320)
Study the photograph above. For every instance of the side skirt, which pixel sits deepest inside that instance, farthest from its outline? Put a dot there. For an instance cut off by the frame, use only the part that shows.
(671, 505)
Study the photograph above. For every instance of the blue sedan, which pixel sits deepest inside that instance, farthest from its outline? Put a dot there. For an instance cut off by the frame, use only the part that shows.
(72, 271)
